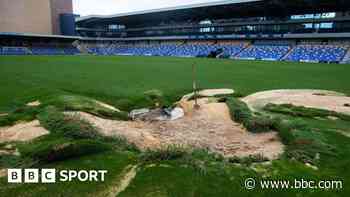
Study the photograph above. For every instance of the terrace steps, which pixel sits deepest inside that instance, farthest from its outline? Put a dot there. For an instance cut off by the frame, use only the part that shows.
(287, 54)
(83, 49)
(346, 58)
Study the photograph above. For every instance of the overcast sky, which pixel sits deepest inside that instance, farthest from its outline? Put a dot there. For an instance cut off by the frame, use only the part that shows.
(108, 7)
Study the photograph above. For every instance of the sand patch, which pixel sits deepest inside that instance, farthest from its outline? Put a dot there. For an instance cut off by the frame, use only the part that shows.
(209, 93)
(34, 104)
(107, 106)
(209, 127)
(22, 132)
(215, 92)
(321, 99)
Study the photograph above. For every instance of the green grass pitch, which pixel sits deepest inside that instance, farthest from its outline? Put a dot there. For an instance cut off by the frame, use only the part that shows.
(25, 78)
(121, 80)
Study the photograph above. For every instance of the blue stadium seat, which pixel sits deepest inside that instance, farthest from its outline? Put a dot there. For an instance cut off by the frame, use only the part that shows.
(71, 51)
(167, 49)
(264, 52)
(54, 51)
(317, 53)
(46, 51)
(14, 51)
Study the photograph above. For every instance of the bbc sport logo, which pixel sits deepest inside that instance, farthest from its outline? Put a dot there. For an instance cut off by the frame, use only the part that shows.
(52, 175)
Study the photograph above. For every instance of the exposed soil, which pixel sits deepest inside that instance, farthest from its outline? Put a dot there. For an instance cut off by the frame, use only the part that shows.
(3, 173)
(320, 99)
(133, 131)
(208, 127)
(22, 132)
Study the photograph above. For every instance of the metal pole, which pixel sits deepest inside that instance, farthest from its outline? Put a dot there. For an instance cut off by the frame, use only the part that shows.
(196, 105)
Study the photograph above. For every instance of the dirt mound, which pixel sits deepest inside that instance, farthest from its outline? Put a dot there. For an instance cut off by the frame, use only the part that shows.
(133, 131)
(209, 127)
(320, 99)
(22, 132)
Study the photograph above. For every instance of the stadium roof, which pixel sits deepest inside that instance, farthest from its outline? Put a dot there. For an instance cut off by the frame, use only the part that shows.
(219, 10)
(207, 4)
(179, 13)
(30, 35)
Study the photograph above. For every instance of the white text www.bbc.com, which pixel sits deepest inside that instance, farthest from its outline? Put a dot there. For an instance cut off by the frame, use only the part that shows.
(251, 184)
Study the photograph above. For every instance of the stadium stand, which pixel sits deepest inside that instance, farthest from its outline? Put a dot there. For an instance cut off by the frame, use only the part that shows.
(264, 52)
(306, 51)
(346, 58)
(315, 32)
(71, 51)
(144, 49)
(232, 48)
(194, 49)
(203, 49)
(168, 48)
(318, 53)
(260, 50)
(38, 51)
(14, 51)
(46, 51)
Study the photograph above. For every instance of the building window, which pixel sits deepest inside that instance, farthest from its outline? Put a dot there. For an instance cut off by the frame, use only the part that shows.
(206, 29)
(116, 27)
(326, 25)
(308, 25)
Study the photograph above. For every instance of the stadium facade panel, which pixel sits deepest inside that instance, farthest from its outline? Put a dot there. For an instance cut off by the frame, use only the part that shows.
(23, 16)
(33, 16)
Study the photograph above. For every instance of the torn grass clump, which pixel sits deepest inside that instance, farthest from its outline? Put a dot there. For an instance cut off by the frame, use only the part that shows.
(164, 154)
(85, 104)
(25, 113)
(74, 127)
(247, 161)
(303, 144)
(241, 113)
(156, 97)
(71, 126)
(56, 148)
